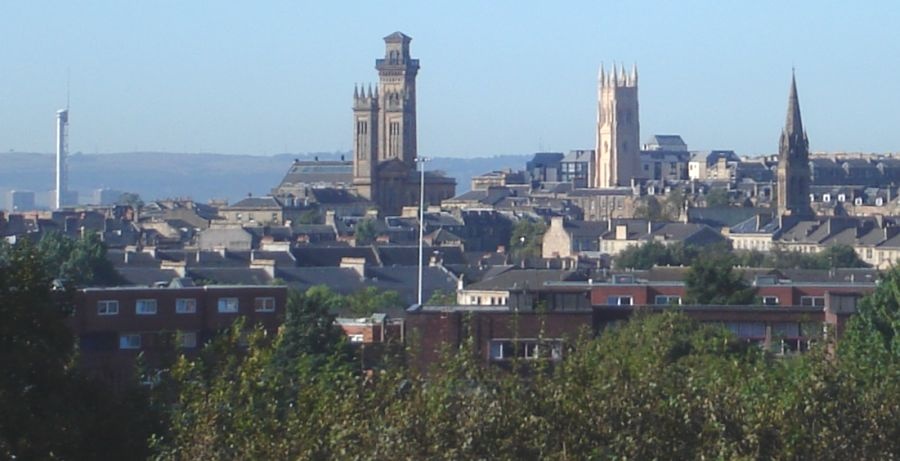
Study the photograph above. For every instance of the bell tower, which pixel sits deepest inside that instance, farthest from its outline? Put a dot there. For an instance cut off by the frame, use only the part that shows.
(397, 100)
(365, 141)
(618, 129)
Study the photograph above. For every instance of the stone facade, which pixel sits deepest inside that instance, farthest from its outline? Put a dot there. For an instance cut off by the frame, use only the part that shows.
(384, 136)
(618, 129)
(793, 162)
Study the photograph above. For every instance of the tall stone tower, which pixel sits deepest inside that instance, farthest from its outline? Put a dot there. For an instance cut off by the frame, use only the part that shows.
(793, 162)
(365, 141)
(618, 129)
(397, 100)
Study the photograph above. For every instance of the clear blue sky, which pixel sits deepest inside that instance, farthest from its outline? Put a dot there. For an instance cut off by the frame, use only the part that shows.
(497, 77)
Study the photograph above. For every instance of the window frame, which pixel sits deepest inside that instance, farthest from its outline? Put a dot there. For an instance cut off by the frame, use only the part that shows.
(181, 305)
(226, 301)
(770, 297)
(126, 344)
(149, 301)
(812, 301)
(658, 300)
(187, 339)
(265, 300)
(618, 299)
(105, 311)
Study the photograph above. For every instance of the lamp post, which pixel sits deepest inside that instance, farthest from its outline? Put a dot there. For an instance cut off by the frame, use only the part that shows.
(421, 161)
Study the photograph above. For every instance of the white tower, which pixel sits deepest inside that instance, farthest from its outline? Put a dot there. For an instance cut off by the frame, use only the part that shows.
(62, 145)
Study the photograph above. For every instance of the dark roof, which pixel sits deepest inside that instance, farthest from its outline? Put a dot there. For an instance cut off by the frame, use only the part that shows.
(145, 276)
(396, 255)
(586, 229)
(318, 172)
(525, 278)
(335, 196)
(230, 275)
(256, 203)
(317, 256)
(545, 158)
(397, 37)
(725, 216)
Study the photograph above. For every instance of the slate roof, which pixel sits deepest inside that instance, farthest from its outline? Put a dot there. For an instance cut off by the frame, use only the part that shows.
(144, 275)
(319, 256)
(586, 229)
(318, 173)
(335, 196)
(256, 203)
(231, 275)
(524, 278)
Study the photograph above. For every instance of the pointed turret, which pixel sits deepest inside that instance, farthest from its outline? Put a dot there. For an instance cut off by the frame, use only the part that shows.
(614, 78)
(793, 125)
(634, 75)
(601, 77)
(355, 91)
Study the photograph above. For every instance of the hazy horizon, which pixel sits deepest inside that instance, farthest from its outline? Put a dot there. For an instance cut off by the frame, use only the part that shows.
(503, 78)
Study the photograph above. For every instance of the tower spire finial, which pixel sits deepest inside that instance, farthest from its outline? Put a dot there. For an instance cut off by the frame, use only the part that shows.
(634, 75)
(793, 123)
(614, 78)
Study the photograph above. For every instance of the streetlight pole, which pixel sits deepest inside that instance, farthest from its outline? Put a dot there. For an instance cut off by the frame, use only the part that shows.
(421, 161)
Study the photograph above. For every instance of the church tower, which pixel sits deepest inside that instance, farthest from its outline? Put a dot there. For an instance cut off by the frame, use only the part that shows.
(397, 100)
(793, 162)
(618, 129)
(365, 141)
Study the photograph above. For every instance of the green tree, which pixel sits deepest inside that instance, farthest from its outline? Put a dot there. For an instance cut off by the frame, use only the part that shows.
(712, 280)
(525, 240)
(310, 216)
(370, 300)
(650, 209)
(309, 329)
(81, 261)
(49, 410)
(839, 256)
(365, 232)
(441, 298)
(717, 198)
(644, 256)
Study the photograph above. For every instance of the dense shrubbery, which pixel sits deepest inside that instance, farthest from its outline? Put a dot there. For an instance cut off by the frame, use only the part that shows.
(660, 387)
(652, 253)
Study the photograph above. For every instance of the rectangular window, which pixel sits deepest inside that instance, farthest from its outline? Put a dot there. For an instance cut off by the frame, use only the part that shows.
(667, 300)
(816, 301)
(264, 304)
(770, 300)
(185, 306)
(145, 307)
(130, 341)
(187, 339)
(108, 307)
(356, 339)
(228, 305)
(617, 300)
(527, 349)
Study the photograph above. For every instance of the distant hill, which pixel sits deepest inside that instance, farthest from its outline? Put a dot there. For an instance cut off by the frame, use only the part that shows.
(200, 176)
